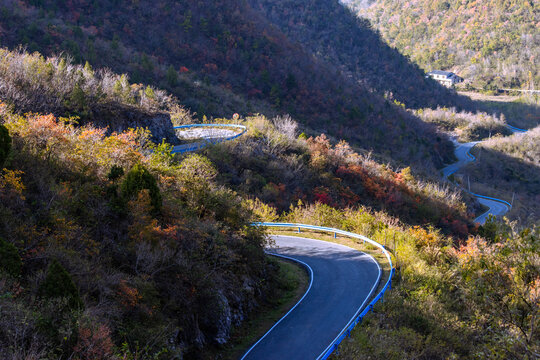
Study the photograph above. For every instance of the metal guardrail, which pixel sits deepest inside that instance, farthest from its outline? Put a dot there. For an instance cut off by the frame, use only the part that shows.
(515, 128)
(358, 317)
(201, 144)
(494, 199)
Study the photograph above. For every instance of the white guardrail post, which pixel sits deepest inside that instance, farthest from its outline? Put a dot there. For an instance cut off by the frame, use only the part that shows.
(387, 286)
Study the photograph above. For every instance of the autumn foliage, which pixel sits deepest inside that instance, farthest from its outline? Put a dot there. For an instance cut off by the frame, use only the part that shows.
(316, 169)
(98, 263)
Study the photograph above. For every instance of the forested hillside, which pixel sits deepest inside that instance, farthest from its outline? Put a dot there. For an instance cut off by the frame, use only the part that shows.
(335, 34)
(223, 57)
(105, 253)
(491, 43)
(113, 248)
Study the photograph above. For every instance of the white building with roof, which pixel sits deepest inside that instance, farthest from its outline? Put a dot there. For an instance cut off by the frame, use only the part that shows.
(446, 78)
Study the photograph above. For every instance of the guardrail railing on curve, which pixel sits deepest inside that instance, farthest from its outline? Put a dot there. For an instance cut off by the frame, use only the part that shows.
(358, 317)
(205, 142)
(516, 129)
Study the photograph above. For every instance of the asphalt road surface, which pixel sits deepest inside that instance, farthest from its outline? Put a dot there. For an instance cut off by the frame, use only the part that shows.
(342, 283)
(462, 149)
(495, 208)
(206, 136)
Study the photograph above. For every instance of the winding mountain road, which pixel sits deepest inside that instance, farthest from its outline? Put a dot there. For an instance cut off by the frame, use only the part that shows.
(343, 280)
(496, 207)
(462, 151)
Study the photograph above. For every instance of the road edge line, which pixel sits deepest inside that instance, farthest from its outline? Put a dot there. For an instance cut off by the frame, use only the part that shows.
(295, 305)
(359, 309)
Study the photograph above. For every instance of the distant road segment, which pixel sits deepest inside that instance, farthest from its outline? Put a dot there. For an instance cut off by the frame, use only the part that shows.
(496, 207)
(462, 151)
(208, 134)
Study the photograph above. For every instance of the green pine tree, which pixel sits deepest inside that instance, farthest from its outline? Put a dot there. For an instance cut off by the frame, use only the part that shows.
(62, 65)
(137, 179)
(77, 101)
(59, 284)
(149, 92)
(172, 76)
(118, 89)
(88, 69)
(10, 261)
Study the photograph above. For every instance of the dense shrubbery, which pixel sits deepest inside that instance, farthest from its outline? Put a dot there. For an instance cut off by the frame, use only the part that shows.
(467, 126)
(476, 300)
(137, 179)
(525, 147)
(135, 283)
(32, 83)
(270, 163)
(522, 112)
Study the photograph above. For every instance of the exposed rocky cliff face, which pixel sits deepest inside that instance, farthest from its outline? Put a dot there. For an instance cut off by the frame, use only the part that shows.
(159, 124)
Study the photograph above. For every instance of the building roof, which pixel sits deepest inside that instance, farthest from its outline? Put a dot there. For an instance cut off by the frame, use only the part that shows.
(440, 72)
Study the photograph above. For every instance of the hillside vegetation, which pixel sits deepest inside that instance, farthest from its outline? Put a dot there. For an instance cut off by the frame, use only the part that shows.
(508, 168)
(113, 248)
(525, 147)
(466, 126)
(477, 300)
(271, 165)
(521, 111)
(31, 83)
(491, 43)
(334, 34)
(240, 62)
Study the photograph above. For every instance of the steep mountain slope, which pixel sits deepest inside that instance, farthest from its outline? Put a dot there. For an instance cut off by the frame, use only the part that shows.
(103, 251)
(113, 248)
(492, 43)
(223, 57)
(333, 33)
